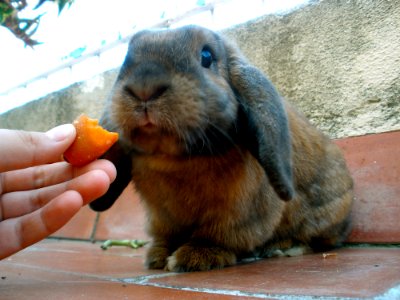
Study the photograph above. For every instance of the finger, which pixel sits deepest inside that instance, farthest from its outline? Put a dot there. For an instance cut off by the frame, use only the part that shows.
(90, 186)
(46, 175)
(22, 232)
(22, 149)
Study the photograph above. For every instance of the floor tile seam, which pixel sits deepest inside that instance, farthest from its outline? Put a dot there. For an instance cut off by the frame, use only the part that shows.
(144, 281)
(69, 239)
(347, 245)
(88, 242)
(389, 294)
(364, 245)
(94, 228)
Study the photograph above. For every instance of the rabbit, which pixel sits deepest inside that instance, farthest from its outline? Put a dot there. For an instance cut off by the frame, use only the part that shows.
(226, 168)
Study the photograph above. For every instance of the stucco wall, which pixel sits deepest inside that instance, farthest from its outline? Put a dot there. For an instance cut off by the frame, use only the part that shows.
(338, 61)
(62, 106)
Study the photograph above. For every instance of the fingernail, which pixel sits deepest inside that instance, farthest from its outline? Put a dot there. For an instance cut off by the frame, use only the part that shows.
(61, 132)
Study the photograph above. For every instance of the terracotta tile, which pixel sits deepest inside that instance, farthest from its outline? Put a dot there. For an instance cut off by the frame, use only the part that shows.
(80, 226)
(70, 270)
(351, 273)
(21, 283)
(124, 220)
(374, 161)
(83, 258)
(103, 290)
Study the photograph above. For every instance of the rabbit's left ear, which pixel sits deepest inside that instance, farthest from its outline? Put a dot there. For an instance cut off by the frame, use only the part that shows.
(264, 120)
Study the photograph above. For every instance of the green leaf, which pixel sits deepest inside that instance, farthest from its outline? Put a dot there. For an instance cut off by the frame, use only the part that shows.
(5, 12)
(23, 29)
(62, 4)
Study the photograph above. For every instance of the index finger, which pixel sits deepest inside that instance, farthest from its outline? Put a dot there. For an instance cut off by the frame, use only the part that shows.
(22, 149)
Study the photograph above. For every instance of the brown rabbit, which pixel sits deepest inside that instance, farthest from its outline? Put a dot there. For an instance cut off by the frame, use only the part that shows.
(225, 167)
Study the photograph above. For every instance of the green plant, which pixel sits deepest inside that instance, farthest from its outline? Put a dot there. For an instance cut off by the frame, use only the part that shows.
(24, 28)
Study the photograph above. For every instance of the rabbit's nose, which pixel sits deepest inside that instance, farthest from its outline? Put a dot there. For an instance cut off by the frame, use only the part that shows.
(147, 92)
(148, 82)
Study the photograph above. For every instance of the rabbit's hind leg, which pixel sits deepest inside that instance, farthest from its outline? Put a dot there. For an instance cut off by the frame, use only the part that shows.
(284, 248)
(291, 252)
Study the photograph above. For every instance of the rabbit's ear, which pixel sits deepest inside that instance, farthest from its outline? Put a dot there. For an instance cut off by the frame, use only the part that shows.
(122, 161)
(265, 122)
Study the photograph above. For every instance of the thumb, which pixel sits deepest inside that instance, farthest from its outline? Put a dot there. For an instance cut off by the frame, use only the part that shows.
(22, 149)
(62, 133)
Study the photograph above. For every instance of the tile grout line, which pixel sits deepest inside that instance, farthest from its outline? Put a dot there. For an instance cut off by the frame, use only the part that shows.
(143, 281)
(392, 293)
(371, 245)
(94, 229)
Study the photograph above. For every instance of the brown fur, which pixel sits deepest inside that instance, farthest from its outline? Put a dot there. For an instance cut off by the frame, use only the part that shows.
(224, 165)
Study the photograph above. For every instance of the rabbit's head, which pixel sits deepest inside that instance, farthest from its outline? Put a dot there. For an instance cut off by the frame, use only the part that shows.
(175, 84)
(187, 91)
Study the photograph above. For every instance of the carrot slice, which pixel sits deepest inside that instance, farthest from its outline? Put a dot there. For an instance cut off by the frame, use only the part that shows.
(90, 143)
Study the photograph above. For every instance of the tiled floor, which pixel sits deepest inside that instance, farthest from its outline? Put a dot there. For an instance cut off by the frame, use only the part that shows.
(79, 269)
(74, 270)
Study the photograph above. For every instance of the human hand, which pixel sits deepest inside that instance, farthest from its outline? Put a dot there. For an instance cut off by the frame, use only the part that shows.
(39, 192)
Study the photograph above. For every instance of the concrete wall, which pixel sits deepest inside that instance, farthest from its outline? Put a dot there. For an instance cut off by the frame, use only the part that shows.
(62, 106)
(338, 61)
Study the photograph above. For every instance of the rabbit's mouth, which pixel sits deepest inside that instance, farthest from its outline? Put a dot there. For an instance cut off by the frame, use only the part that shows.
(146, 120)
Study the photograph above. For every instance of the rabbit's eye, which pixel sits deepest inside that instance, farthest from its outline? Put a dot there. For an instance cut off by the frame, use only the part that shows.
(206, 57)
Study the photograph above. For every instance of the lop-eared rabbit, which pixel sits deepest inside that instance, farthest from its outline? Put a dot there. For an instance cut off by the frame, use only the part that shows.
(225, 167)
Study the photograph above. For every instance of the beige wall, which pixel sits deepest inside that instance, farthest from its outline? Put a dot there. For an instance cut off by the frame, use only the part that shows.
(62, 106)
(338, 61)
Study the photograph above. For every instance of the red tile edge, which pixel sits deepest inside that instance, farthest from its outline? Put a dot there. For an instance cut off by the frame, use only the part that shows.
(374, 162)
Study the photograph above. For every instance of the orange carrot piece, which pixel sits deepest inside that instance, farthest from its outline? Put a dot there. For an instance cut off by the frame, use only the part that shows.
(90, 143)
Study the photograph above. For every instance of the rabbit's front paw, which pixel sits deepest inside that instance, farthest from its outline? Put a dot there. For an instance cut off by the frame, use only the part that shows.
(196, 258)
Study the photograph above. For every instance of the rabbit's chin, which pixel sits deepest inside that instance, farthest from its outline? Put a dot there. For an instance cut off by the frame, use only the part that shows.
(148, 127)
(150, 139)
(145, 118)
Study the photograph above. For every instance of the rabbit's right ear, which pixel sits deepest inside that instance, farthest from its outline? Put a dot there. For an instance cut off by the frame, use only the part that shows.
(122, 161)
(265, 122)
